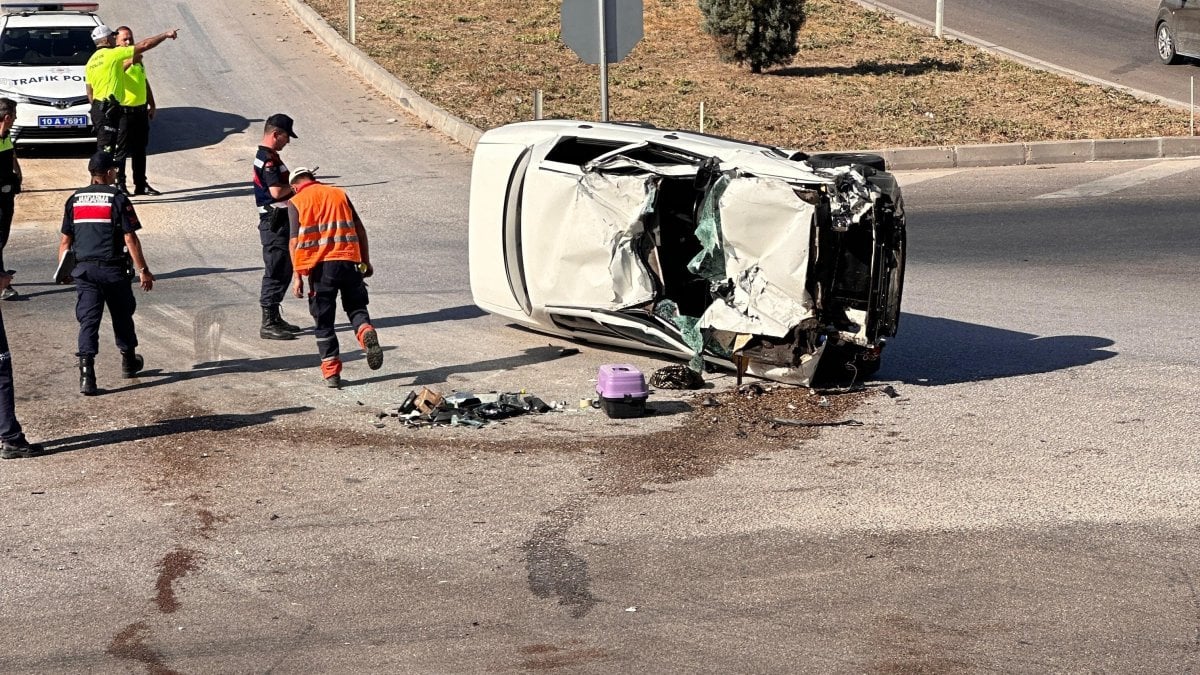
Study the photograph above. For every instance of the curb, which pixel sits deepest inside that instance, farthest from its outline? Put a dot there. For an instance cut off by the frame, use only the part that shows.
(433, 116)
(934, 157)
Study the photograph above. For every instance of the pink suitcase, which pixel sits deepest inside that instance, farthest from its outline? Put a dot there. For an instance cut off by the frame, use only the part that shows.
(622, 390)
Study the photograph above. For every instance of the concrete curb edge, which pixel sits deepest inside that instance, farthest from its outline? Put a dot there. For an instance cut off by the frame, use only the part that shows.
(934, 157)
(462, 132)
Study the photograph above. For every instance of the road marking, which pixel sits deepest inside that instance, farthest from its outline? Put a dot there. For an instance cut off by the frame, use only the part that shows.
(906, 178)
(1123, 181)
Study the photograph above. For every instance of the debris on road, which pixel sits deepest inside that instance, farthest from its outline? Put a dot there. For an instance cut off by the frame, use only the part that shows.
(427, 407)
(676, 377)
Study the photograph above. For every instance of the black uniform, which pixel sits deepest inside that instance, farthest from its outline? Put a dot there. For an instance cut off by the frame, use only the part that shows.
(10, 428)
(269, 170)
(10, 185)
(97, 218)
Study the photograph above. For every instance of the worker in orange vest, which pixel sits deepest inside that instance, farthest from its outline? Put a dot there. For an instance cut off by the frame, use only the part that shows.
(328, 245)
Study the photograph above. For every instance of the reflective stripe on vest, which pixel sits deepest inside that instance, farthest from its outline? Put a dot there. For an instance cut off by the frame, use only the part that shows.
(326, 230)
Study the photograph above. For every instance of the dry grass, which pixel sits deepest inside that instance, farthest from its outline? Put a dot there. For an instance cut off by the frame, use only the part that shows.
(861, 80)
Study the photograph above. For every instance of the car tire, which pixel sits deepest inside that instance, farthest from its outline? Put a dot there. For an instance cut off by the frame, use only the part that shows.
(1164, 42)
(830, 160)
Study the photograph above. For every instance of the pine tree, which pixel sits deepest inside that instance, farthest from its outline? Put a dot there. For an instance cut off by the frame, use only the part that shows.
(759, 32)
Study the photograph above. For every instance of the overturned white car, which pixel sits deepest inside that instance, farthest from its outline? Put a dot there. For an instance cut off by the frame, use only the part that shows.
(733, 253)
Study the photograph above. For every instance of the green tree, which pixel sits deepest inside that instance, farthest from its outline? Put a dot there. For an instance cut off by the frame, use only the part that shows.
(759, 32)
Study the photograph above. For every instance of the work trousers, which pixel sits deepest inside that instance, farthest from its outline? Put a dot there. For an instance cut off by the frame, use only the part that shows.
(133, 135)
(7, 200)
(98, 285)
(326, 280)
(10, 428)
(274, 230)
(106, 122)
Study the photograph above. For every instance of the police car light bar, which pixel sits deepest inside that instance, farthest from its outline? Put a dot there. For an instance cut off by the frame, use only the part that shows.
(24, 7)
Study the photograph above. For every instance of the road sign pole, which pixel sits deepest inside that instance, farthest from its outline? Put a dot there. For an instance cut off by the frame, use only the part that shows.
(603, 61)
(941, 14)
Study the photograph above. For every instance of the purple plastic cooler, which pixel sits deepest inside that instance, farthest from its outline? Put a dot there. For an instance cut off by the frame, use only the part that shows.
(622, 390)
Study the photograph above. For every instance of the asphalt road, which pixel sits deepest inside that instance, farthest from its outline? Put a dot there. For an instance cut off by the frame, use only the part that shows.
(1027, 503)
(1111, 40)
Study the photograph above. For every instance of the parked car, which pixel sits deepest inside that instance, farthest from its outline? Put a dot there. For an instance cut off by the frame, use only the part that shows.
(44, 47)
(1177, 30)
(690, 245)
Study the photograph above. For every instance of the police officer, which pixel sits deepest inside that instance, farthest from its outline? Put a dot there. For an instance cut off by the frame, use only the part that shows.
(271, 192)
(105, 78)
(13, 444)
(137, 109)
(329, 246)
(100, 223)
(10, 185)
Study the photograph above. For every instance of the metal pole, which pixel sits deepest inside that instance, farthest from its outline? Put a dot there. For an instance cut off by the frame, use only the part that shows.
(1192, 123)
(537, 104)
(603, 62)
(941, 15)
(701, 116)
(353, 20)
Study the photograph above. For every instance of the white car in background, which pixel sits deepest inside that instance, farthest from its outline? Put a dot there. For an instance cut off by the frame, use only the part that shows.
(44, 47)
(691, 245)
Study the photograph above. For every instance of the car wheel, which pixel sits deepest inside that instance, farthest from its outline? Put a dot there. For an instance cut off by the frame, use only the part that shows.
(1165, 42)
(830, 160)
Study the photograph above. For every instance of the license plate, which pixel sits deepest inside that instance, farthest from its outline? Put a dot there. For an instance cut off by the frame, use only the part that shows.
(63, 121)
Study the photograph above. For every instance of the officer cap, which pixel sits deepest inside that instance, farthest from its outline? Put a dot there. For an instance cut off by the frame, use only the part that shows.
(281, 121)
(100, 162)
(101, 33)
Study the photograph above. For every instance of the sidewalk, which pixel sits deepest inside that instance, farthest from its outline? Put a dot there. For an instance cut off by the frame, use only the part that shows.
(931, 157)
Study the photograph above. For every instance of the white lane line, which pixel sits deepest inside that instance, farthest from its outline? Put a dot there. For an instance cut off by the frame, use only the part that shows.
(1123, 181)
(906, 178)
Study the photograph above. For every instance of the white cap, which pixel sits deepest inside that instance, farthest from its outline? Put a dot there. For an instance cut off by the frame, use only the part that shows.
(100, 33)
(302, 171)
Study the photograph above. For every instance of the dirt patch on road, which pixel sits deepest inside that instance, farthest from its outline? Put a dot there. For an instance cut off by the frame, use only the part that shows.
(719, 428)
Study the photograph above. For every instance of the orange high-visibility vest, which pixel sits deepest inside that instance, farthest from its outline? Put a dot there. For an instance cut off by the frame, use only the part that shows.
(326, 229)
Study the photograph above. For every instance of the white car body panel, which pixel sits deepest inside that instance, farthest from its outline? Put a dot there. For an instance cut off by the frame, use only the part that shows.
(569, 226)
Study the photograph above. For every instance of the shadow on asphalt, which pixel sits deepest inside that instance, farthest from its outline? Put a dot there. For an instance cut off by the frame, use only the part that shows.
(240, 189)
(459, 313)
(182, 425)
(187, 128)
(932, 351)
(174, 274)
(531, 356)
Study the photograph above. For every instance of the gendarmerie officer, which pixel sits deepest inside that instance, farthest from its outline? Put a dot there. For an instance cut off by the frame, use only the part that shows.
(99, 223)
(104, 74)
(271, 194)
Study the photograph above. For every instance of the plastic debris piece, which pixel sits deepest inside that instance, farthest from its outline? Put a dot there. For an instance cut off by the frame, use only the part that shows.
(676, 377)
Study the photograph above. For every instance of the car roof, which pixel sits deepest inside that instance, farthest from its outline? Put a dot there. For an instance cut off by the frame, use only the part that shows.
(51, 20)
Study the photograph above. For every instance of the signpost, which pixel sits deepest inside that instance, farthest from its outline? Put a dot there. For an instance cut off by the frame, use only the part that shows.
(602, 32)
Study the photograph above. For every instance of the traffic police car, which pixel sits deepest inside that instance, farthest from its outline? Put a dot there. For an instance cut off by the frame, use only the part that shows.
(43, 49)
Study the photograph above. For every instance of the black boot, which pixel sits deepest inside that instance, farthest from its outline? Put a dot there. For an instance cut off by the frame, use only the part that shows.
(87, 375)
(131, 363)
(270, 329)
(278, 319)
